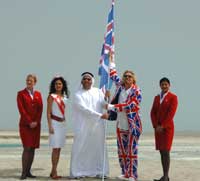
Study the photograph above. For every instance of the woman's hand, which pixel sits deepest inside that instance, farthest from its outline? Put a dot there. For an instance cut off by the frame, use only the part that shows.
(51, 130)
(159, 129)
(33, 124)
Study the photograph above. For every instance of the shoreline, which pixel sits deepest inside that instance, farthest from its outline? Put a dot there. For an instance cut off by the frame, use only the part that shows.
(14, 134)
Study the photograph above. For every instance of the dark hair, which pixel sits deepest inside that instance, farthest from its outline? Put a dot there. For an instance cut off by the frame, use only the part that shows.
(65, 90)
(164, 79)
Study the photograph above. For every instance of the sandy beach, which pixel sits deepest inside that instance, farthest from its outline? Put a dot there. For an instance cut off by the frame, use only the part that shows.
(185, 158)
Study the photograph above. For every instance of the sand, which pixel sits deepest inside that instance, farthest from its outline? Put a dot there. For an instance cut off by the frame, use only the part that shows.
(185, 158)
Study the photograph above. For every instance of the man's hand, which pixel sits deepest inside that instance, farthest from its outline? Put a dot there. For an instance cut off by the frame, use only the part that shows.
(107, 95)
(105, 116)
(106, 106)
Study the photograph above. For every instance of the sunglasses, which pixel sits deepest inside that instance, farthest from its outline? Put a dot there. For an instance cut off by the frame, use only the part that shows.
(88, 79)
(128, 76)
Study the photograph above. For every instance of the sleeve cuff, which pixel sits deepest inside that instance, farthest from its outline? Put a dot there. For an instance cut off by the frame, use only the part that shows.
(112, 65)
(111, 107)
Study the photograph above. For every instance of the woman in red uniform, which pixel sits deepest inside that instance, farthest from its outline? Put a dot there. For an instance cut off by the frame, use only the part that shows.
(29, 102)
(162, 114)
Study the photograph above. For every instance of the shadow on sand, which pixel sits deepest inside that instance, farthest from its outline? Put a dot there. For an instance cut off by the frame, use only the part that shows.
(14, 174)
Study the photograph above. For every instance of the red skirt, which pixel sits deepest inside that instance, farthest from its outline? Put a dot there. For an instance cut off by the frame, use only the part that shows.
(30, 137)
(164, 139)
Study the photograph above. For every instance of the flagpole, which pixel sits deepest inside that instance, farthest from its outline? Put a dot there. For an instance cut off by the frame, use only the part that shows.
(105, 136)
(104, 154)
(108, 101)
(106, 124)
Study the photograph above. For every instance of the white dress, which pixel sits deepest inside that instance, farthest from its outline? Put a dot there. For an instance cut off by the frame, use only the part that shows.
(57, 140)
(87, 157)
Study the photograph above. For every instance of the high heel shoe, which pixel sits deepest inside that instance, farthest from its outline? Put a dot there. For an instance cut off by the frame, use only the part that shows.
(55, 177)
(30, 175)
(160, 179)
(23, 177)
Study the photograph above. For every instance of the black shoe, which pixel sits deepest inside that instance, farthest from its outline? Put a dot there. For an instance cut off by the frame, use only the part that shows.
(158, 179)
(23, 177)
(30, 175)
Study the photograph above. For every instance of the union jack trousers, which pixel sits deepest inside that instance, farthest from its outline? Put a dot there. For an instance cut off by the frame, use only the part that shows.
(128, 152)
(127, 140)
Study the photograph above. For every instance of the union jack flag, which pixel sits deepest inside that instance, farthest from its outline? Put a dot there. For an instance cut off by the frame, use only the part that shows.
(107, 52)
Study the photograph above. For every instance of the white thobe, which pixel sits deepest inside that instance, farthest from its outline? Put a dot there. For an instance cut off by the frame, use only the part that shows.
(87, 157)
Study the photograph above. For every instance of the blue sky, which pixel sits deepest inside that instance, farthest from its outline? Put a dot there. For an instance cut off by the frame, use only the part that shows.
(152, 38)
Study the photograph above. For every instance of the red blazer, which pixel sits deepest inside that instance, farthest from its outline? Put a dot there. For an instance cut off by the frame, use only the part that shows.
(30, 111)
(163, 114)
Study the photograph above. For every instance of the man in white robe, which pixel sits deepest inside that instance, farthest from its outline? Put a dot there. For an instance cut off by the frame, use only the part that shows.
(88, 158)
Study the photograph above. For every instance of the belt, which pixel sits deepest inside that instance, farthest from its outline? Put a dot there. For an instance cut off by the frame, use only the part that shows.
(57, 118)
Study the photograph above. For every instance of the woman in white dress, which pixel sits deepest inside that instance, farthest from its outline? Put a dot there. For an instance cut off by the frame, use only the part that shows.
(58, 94)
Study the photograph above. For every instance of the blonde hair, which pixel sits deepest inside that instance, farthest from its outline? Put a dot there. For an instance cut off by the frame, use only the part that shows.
(32, 76)
(133, 76)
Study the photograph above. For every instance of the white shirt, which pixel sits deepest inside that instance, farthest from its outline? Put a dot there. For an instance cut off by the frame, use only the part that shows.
(121, 116)
(31, 93)
(163, 96)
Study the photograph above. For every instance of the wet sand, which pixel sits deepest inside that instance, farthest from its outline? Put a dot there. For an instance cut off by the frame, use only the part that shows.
(185, 158)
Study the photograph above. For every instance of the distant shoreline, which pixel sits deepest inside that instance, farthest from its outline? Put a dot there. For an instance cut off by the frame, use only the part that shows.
(14, 134)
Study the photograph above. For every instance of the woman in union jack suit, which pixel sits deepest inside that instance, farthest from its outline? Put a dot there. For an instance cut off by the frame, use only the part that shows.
(30, 107)
(162, 114)
(129, 126)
